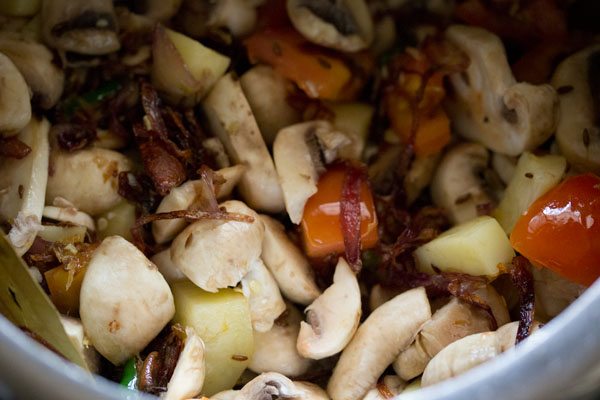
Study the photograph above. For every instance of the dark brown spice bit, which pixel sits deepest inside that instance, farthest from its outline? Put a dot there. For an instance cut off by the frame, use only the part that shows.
(277, 49)
(71, 137)
(564, 89)
(528, 175)
(21, 189)
(523, 280)
(463, 198)
(237, 357)
(586, 137)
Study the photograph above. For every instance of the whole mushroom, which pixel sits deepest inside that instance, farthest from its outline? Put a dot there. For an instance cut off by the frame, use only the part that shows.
(15, 105)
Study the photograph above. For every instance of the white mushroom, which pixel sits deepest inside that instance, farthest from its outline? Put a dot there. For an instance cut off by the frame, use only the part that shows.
(377, 342)
(191, 195)
(124, 301)
(490, 296)
(87, 178)
(390, 386)
(216, 254)
(238, 16)
(309, 391)
(74, 330)
(35, 62)
(578, 131)
(458, 185)
(504, 166)
(15, 105)
(64, 211)
(275, 350)
(343, 25)
(188, 377)
(419, 176)
(296, 151)
(380, 295)
(231, 120)
(333, 317)
(488, 106)
(166, 267)
(453, 321)
(287, 263)
(267, 93)
(268, 386)
(264, 298)
(23, 185)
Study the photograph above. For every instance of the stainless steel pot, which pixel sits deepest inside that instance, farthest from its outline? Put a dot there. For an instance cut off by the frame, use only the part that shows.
(561, 361)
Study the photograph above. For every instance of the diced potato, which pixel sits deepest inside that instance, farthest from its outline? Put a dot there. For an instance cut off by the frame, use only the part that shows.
(117, 221)
(476, 248)
(223, 322)
(354, 119)
(533, 177)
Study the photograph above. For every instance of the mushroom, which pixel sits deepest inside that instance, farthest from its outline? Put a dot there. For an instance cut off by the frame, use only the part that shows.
(553, 293)
(188, 377)
(333, 317)
(297, 152)
(578, 130)
(231, 120)
(79, 26)
(64, 211)
(166, 267)
(287, 263)
(124, 302)
(264, 298)
(490, 296)
(309, 391)
(419, 176)
(87, 178)
(74, 330)
(380, 295)
(275, 350)
(15, 105)
(23, 186)
(504, 166)
(159, 10)
(216, 254)
(238, 16)
(453, 321)
(34, 61)
(378, 341)
(268, 386)
(267, 93)
(344, 25)
(194, 194)
(458, 185)
(469, 352)
(390, 386)
(488, 106)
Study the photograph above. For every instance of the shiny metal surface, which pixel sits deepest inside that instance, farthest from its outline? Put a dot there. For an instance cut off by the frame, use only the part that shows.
(561, 361)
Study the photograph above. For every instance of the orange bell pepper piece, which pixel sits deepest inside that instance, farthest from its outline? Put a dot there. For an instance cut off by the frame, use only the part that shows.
(64, 288)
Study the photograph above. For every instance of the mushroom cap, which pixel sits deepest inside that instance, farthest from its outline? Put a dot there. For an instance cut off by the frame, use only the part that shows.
(333, 317)
(216, 254)
(290, 268)
(70, 214)
(124, 301)
(269, 385)
(88, 178)
(188, 376)
(166, 267)
(15, 105)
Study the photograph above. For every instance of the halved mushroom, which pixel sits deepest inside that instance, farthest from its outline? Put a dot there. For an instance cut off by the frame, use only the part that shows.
(458, 185)
(23, 185)
(80, 26)
(238, 16)
(264, 298)
(275, 350)
(578, 130)
(504, 166)
(64, 211)
(299, 152)
(87, 178)
(231, 120)
(333, 317)
(15, 105)
(390, 386)
(488, 105)
(287, 263)
(453, 321)
(192, 194)
(34, 61)
(344, 25)
(377, 342)
(310, 391)
(216, 254)
(166, 267)
(188, 377)
(269, 385)
(124, 302)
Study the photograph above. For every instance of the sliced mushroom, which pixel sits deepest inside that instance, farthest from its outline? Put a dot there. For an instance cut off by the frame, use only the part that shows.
(74, 330)
(267, 93)
(504, 166)
(231, 120)
(268, 386)
(488, 105)
(390, 386)
(287, 263)
(453, 321)
(344, 25)
(419, 176)
(238, 16)
(578, 130)
(64, 211)
(490, 296)
(79, 26)
(266, 303)
(377, 342)
(191, 195)
(333, 317)
(23, 186)
(380, 295)
(167, 268)
(458, 185)
(87, 178)
(188, 377)
(298, 152)
(469, 352)
(310, 391)
(34, 61)
(275, 350)
(216, 254)
(125, 302)
(15, 105)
